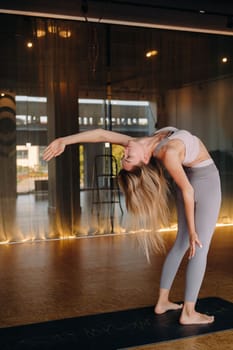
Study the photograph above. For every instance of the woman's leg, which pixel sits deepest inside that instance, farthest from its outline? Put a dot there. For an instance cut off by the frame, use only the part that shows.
(206, 185)
(207, 205)
(173, 260)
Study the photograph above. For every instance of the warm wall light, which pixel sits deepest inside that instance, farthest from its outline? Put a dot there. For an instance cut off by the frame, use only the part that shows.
(65, 33)
(151, 53)
(40, 33)
(52, 29)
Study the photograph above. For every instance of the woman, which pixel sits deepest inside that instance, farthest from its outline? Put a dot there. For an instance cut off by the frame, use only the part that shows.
(188, 162)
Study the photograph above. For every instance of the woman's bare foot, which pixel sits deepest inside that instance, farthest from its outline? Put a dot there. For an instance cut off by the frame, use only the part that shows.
(195, 318)
(163, 307)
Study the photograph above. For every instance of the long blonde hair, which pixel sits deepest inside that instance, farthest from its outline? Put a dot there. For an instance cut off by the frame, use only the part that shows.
(146, 194)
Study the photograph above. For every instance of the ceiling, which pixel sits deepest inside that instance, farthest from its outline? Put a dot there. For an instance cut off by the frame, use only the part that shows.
(185, 57)
(215, 16)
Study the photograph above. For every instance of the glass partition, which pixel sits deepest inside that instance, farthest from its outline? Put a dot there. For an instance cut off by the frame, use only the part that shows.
(60, 77)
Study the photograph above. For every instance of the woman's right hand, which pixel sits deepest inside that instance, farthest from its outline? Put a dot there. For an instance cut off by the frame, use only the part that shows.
(193, 241)
(54, 149)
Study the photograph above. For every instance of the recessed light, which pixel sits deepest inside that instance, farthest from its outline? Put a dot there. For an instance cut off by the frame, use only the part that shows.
(29, 44)
(224, 59)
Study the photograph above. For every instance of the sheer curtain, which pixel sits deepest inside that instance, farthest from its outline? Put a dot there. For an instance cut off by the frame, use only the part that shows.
(48, 66)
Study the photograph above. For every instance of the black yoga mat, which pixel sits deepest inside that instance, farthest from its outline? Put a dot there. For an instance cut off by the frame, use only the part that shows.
(115, 330)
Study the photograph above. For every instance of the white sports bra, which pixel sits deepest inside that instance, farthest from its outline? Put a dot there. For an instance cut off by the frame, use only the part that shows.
(191, 143)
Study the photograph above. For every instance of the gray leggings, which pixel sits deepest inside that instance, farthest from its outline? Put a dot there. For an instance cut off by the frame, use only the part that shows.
(207, 192)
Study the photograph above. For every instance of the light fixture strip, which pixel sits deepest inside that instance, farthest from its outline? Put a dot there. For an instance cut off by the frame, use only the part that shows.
(118, 22)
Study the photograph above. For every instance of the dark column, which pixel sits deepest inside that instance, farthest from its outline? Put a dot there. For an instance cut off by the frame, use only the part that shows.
(64, 179)
(7, 164)
(162, 117)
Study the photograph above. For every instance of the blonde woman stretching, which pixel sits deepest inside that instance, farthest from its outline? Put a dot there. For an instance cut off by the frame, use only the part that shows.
(142, 180)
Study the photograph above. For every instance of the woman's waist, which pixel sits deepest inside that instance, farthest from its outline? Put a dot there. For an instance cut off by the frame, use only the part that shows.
(203, 163)
(205, 169)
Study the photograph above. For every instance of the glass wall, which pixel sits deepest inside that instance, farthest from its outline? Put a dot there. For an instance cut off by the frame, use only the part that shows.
(31, 138)
(60, 77)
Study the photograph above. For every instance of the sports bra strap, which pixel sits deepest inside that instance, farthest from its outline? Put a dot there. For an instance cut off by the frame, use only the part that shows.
(171, 130)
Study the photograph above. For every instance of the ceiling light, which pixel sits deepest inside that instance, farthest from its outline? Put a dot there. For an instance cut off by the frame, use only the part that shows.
(224, 59)
(151, 53)
(29, 44)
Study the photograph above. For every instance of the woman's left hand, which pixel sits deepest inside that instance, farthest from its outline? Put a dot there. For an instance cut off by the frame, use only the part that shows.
(193, 240)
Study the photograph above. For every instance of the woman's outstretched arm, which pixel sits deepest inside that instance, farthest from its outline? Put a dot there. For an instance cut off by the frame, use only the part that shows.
(56, 147)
